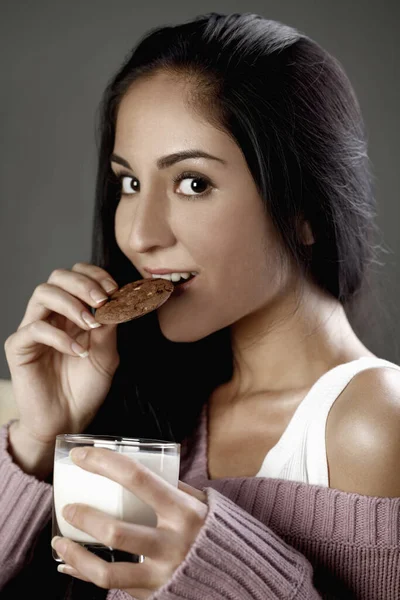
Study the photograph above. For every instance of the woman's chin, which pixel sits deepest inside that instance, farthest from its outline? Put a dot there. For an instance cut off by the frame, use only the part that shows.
(176, 335)
(178, 332)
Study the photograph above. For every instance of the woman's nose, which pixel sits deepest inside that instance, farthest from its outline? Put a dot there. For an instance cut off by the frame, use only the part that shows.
(150, 224)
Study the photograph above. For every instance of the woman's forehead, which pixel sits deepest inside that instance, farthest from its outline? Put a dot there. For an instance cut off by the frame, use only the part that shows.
(162, 132)
(156, 111)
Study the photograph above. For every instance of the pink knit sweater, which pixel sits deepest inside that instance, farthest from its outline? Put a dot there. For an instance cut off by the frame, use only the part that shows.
(262, 539)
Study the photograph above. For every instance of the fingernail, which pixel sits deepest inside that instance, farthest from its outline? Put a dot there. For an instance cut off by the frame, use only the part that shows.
(67, 570)
(68, 512)
(54, 541)
(97, 296)
(90, 320)
(59, 545)
(62, 569)
(78, 453)
(109, 285)
(78, 349)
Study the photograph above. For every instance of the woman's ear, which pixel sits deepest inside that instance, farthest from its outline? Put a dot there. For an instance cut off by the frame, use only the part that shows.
(306, 233)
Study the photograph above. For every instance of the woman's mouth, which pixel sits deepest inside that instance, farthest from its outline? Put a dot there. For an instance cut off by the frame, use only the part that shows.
(180, 284)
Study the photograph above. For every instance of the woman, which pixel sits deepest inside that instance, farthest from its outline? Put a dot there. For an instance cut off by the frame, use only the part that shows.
(232, 151)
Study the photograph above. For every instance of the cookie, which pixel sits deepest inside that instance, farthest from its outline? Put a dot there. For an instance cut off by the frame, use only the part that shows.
(134, 300)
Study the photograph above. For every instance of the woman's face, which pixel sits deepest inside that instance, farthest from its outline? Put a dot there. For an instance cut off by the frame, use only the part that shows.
(211, 222)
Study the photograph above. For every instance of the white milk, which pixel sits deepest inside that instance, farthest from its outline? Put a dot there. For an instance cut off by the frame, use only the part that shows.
(72, 484)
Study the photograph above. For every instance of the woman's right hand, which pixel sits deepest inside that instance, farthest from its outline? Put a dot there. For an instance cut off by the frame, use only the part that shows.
(56, 389)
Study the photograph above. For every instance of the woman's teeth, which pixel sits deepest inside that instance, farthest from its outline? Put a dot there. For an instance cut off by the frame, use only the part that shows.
(175, 277)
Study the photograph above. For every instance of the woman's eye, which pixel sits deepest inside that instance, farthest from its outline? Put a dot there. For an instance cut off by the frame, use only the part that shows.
(193, 185)
(129, 185)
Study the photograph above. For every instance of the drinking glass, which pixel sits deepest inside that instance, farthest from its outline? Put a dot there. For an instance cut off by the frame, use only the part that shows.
(73, 484)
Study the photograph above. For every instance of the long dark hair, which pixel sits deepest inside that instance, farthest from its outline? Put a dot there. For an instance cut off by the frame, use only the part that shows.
(291, 109)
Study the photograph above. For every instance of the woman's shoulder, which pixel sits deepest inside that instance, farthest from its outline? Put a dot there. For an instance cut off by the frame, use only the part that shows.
(363, 434)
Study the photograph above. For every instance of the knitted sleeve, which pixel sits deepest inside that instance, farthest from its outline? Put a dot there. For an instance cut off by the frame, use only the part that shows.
(25, 508)
(236, 556)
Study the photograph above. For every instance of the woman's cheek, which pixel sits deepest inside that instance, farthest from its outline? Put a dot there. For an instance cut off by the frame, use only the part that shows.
(121, 226)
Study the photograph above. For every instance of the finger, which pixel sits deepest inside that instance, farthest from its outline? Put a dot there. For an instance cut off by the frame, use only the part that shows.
(82, 282)
(103, 349)
(103, 278)
(68, 570)
(106, 575)
(138, 594)
(188, 489)
(135, 477)
(23, 343)
(48, 299)
(121, 535)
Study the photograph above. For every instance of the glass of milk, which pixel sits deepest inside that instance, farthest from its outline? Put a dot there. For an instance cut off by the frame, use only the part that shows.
(73, 484)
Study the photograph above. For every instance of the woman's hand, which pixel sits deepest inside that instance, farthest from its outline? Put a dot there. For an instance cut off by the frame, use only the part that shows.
(180, 512)
(61, 362)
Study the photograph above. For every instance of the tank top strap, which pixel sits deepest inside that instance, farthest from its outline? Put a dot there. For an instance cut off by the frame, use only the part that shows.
(304, 438)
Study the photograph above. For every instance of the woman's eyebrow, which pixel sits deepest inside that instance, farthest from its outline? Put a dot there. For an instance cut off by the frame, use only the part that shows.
(171, 159)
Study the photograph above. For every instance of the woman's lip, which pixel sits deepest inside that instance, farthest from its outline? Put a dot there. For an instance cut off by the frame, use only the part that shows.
(179, 289)
(167, 271)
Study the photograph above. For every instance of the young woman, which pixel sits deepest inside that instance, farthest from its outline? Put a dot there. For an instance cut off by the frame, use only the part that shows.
(232, 151)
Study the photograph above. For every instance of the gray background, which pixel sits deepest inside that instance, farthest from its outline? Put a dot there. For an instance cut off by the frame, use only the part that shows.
(55, 60)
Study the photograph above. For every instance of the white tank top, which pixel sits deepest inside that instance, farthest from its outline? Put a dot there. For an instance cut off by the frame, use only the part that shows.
(300, 453)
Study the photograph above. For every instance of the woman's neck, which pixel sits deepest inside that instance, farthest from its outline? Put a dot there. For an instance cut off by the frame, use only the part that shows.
(288, 345)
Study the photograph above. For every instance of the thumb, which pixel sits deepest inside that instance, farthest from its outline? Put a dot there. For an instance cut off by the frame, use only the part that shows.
(103, 343)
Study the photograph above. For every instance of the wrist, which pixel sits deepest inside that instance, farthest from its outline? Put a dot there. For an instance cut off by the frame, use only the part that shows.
(33, 456)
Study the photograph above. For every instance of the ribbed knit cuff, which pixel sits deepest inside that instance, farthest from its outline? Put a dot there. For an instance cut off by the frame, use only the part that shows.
(25, 508)
(237, 557)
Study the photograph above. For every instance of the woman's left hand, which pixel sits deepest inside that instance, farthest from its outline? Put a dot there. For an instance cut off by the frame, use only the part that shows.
(180, 512)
